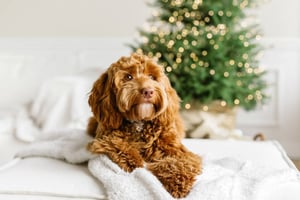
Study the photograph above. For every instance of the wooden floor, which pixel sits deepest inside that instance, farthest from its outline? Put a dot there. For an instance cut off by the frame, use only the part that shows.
(297, 163)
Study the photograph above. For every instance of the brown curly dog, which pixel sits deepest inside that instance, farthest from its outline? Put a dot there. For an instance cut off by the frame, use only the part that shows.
(136, 123)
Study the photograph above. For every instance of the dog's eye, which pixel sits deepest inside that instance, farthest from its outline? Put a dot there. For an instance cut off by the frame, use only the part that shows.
(152, 77)
(128, 77)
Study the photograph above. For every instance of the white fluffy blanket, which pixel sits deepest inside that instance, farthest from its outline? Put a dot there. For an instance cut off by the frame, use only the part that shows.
(61, 103)
(226, 178)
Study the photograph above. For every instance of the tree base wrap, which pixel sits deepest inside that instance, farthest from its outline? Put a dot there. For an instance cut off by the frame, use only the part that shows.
(212, 121)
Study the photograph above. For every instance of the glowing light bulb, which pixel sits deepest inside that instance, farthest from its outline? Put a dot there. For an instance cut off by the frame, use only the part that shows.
(187, 106)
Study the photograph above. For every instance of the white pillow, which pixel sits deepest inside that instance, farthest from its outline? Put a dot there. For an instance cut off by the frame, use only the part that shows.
(62, 102)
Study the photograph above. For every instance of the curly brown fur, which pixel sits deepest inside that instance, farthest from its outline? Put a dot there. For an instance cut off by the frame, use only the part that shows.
(136, 123)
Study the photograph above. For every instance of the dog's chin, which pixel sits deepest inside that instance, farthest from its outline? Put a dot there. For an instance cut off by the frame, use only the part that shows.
(143, 111)
(146, 110)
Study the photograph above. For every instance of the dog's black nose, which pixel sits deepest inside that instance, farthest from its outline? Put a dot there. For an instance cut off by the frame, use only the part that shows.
(147, 92)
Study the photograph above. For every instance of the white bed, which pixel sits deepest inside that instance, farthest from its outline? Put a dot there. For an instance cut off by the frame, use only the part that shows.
(47, 87)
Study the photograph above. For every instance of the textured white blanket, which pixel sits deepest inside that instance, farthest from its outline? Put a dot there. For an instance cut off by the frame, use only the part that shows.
(60, 103)
(226, 178)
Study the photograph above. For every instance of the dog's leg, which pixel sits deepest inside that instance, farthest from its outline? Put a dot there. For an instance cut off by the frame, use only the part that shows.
(177, 172)
(120, 152)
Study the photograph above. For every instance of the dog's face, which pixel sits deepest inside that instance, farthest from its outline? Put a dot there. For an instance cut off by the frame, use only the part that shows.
(139, 87)
(134, 88)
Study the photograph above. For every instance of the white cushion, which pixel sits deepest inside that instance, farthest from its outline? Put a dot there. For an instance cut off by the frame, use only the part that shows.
(49, 177)
(267, 153)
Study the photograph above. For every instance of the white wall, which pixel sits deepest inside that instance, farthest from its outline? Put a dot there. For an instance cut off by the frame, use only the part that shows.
(75, 18)
(280, 18)
(95, 18)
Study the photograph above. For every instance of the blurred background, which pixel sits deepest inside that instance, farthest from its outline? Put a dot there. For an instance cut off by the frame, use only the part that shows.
(22, 20)
(95, 18)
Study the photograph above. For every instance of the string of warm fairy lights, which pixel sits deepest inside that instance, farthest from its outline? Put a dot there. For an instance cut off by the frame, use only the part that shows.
(184, 37)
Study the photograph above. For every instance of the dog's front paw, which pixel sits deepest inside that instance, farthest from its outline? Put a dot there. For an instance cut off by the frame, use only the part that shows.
(132, 164)
(96, 146)
(128, 161)
(126, 156)
(177, 176)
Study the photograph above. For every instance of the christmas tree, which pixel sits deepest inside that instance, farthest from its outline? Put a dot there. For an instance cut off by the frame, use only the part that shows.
(209, 51)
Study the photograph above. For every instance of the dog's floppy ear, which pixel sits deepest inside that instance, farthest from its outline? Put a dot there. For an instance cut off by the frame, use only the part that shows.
(171, 116)
(102, 101)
